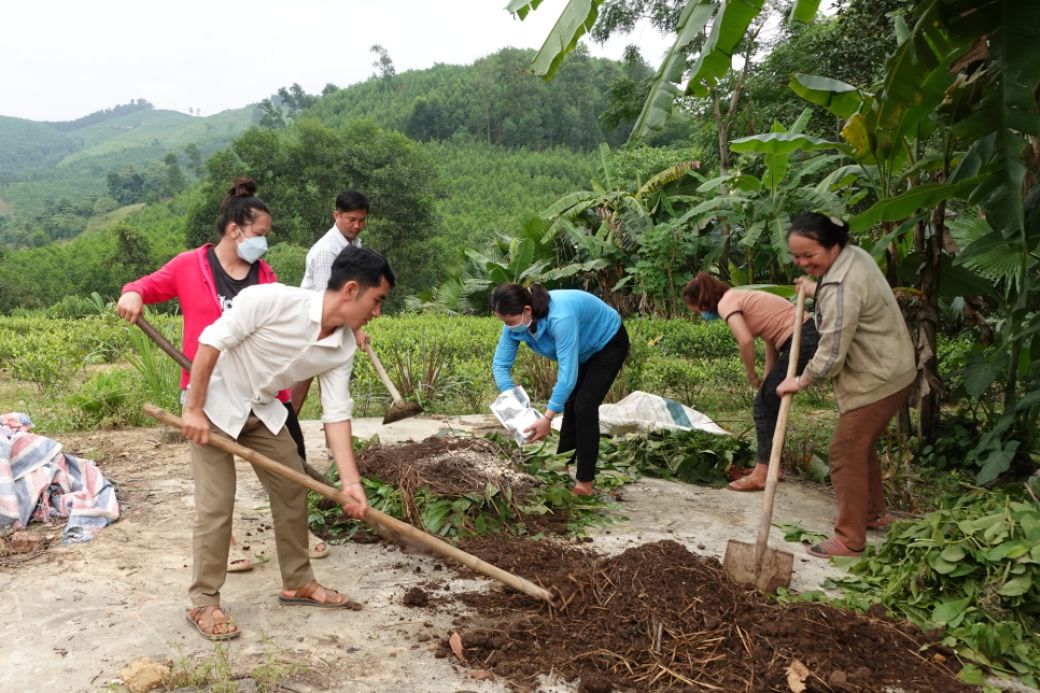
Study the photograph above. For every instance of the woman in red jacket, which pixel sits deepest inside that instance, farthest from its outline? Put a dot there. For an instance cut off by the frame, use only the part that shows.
(205, 281)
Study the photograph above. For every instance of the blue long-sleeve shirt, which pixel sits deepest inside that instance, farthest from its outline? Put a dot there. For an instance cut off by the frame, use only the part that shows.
(578, 325)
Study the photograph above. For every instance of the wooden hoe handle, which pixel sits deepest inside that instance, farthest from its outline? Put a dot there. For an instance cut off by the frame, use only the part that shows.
(163, 343)
(372, 516)
(773, 476)
(382, 374)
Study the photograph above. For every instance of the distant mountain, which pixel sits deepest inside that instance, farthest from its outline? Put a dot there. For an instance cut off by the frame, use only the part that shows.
(52, 174)
(120, 137)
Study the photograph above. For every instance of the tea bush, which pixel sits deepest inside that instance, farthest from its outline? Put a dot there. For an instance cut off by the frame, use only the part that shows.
(443, 363)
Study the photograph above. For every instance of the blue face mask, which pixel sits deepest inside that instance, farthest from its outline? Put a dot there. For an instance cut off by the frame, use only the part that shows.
(520, 327)
(252, 249)
(709, 315)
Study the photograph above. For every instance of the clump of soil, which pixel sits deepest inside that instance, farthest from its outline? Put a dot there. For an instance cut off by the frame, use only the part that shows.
(416, 597)
(23, 545)
(659, 617)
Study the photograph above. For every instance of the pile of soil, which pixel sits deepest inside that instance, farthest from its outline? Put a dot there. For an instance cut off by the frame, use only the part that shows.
(659, 617)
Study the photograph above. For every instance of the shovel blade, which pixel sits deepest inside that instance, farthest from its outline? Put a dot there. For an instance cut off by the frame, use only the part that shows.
(742, 566)
(401, 410)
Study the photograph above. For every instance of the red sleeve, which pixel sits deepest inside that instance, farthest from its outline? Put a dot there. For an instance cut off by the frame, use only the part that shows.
(160, 285)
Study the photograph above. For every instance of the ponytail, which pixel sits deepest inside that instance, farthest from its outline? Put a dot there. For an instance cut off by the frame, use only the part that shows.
(511, 299)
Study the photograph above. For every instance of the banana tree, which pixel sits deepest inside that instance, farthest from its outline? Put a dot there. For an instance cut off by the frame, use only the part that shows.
(766, 203)
(725, 23)
(887, 134)
(997, 115)
(602, 234)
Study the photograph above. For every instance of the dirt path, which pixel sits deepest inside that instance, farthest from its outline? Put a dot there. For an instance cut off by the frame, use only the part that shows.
(77, 614)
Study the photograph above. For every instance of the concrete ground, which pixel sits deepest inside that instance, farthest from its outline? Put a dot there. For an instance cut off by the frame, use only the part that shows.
(76, 615)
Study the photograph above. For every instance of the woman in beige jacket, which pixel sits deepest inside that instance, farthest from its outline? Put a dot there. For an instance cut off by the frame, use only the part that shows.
(865, 348)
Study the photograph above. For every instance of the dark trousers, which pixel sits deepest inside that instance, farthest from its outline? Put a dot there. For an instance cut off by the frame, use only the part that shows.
(580, 428)
(293, 424)
(767, 403)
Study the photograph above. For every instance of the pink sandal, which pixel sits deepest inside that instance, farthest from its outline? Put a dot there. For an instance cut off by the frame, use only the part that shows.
(831, 548)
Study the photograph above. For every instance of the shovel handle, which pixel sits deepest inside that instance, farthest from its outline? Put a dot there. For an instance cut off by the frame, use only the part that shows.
(372, 516)
(382, 374)
(163, 343)
(779, 433)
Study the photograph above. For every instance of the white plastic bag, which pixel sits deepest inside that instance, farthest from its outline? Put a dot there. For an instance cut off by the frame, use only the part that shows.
(514, 411)
(642, 411)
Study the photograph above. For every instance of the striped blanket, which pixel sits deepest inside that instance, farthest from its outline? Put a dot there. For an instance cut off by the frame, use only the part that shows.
(39, 482)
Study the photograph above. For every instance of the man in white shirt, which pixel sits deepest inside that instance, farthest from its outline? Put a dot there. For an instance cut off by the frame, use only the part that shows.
(349, 217)
(273, 336)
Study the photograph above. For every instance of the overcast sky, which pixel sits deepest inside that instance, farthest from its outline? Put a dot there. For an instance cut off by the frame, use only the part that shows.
(62, 59)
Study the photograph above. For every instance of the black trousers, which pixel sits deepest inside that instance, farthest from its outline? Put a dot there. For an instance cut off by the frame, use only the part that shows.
(580, 428)
(293, 424)
(767, 403)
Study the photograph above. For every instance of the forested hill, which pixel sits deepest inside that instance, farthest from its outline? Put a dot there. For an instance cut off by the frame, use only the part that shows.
(110, 139)
(55, 176)
(494, 101)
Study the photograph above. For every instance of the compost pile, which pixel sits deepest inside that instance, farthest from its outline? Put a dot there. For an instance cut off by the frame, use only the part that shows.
(658, 617)
(454, 467)
(450, 466)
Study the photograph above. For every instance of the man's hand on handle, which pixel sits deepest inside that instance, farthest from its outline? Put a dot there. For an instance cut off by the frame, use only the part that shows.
(195, 426)
(356, 509)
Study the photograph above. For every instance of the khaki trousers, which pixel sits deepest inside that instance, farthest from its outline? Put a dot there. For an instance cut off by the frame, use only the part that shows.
(214, 473)
(856, 470)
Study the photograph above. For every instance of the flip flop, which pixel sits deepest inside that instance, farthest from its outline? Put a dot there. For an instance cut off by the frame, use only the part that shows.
(831, 548)
(196, 615)
(237, 561)
(305, 597)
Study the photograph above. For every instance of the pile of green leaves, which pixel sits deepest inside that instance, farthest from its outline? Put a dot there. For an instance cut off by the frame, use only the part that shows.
(971, 568)
(693, 456)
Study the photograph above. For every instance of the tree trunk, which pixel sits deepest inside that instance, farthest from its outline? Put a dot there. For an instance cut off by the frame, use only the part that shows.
(929, 246)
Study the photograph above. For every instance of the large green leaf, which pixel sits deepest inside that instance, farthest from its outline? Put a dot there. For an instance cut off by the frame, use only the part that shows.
(916, 79)
(728, 30)
(804, 11)
(780, 143)
(839, 98)
(993, 256)
(1008, 108)
(664, 87)
(905, 204)
(570, 204)
(575, 21)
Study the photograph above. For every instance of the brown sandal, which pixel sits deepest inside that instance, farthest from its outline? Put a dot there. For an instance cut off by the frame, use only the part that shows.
(210, 619)
(305, 597)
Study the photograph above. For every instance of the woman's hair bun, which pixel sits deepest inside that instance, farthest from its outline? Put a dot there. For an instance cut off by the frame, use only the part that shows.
(244, 186)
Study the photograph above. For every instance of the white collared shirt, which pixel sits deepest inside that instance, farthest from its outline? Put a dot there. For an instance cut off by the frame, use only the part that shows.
(321, 256)
(268, 340)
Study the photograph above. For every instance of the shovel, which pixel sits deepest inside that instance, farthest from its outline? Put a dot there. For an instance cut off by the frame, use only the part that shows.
(757, 564)
(373, 517)
(401, 408)
(183, 361)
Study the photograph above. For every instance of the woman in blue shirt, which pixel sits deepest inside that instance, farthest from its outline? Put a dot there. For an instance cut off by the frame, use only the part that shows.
(586, 338)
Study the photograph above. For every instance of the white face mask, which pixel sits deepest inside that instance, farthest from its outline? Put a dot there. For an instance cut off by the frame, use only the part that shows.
(252, 249)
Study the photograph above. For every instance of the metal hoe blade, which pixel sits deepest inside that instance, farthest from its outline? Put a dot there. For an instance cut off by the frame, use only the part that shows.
(741, 565)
